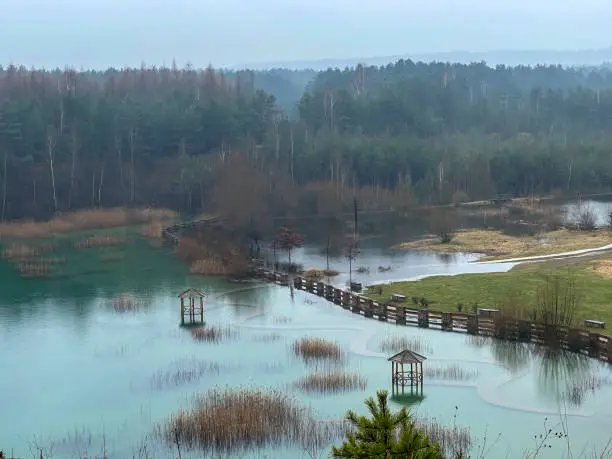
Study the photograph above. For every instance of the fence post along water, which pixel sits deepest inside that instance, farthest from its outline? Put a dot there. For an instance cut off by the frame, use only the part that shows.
(492, 323)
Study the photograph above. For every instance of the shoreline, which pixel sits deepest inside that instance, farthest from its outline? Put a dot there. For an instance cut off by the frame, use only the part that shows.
(497, 247)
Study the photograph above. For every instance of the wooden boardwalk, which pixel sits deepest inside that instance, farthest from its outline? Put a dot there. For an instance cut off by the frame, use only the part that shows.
(595, 345)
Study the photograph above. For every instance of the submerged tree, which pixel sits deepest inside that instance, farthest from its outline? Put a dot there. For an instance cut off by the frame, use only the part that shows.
(350, 252)
(286, 239)
(385, 434)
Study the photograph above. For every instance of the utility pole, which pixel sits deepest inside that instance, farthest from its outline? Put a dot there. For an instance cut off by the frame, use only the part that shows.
(355, 209)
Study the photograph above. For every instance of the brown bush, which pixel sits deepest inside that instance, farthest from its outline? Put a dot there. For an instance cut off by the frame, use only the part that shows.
(84, 220)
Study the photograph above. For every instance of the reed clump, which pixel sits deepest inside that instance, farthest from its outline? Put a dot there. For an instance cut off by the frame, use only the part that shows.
(185, 372)
(213, 334)
(452, 440)
(282, 320)
(230, 421)
(153, 230)
(34, 269)
(332, 382)
(397, 342)
(84, 220)
(317, 349)
(24, 251)
(450, 373)
(127, 304)
(330, 272)
(268, 338)
(100, 241)
(314, 275)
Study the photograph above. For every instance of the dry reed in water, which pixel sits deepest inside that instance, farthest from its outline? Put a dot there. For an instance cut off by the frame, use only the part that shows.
(153, 230)
(185, 372)
(452, 440)
(270, 337)
(126, 304)
(450, 373)
(331, 382)
(398, 342)
(34, 270)
(213, 334)
(100, 241)
(230, 421)
(281, 320)
(84, 220)
(316, 349)
(23, 251)
(576, 393)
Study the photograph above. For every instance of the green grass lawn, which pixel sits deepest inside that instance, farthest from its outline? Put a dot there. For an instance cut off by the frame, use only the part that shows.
(520, 285)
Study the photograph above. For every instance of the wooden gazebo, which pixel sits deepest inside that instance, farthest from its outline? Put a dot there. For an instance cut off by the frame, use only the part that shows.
(412, 377)
(192, 305)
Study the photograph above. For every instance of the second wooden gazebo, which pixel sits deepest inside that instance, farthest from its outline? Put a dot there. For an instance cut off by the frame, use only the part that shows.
(412, 377)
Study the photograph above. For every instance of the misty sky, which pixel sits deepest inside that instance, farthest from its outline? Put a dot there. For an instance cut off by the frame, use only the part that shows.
(102, 33)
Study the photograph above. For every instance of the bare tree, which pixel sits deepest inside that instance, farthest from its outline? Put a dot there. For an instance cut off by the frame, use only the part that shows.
(585, 217)
(350, 253)
(442, 225)
(557, 302)
(51, 142)
(73, 149)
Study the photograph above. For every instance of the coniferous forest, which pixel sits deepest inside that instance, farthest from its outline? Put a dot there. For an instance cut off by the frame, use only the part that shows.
(282, 142)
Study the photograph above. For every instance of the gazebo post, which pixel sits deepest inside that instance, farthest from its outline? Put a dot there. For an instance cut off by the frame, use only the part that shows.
(415, 374)
(202, 309)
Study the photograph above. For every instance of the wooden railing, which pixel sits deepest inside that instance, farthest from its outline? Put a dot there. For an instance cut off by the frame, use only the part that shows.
(595, 345)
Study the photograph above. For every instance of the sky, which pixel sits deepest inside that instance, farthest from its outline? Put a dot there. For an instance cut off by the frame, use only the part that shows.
(103, 33)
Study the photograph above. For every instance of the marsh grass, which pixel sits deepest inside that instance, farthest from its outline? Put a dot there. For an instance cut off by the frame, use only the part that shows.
(106, 240)
(213, 334)
(34, 269)
(578, 390)
(331, 382)
(184, 372)
(452, 439)
(111, 257)
(25, 251)
(153, 230)
(84, 220)
(281, 320)
(450, 373)
(127, 304)
(397, 342)
(226, 422)
(312, 350)
(267, 338)
(314, 275)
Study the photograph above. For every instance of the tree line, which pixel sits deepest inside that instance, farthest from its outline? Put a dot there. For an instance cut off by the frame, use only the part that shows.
(210, 140)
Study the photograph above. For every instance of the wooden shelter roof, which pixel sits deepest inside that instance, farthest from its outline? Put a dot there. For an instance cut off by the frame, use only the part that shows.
(192, 293)
(407, 356)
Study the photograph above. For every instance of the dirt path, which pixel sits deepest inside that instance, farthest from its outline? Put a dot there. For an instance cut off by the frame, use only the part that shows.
(573, 253)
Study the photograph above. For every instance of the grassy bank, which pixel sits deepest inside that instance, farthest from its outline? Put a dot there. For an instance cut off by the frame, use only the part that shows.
(497, 245)
(84, 220)
(519, 286)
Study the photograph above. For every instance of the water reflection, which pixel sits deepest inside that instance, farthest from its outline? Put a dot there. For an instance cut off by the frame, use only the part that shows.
(561, 376)
(407, 396)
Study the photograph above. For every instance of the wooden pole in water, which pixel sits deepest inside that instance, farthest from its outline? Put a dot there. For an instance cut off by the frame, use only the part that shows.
(202, 309)
(182, 313)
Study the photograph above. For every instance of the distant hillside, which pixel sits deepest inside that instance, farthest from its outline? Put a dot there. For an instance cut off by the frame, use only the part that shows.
(507, 57)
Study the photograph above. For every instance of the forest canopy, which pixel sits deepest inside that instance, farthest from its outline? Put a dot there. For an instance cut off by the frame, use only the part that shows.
(394, 135)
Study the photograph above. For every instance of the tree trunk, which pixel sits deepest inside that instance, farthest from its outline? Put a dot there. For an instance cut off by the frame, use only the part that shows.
(50, 149)
(120, 160)
(72, 169)
(100, 186)
(93, 188)
(4, 180)
(132, 148)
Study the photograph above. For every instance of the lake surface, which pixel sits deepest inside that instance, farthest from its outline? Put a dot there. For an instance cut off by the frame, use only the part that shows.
(75, 373)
